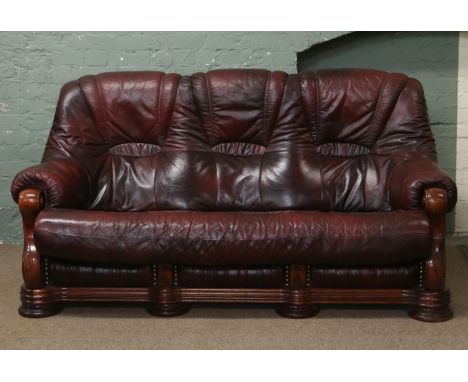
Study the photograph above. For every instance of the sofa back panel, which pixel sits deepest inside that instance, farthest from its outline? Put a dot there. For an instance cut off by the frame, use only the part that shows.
(241, 139)
(74, 132)
(349, 106)
(131, 106)
(407, 129)
(238, 106)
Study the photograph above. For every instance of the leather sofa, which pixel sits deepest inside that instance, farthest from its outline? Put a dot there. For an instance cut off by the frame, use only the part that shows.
(237, 186)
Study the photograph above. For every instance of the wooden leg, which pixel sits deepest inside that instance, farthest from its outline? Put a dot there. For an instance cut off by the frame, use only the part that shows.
(36, 299)
(297, 278)
(165, 303)
(434, 303)
(297, 311)
(30, 205)
(38, 303)
(432, 307)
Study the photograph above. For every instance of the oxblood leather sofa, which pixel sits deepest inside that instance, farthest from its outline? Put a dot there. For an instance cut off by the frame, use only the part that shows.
(237, 186)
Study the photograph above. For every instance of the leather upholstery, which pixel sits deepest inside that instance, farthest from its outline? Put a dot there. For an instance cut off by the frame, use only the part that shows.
(404, 276)
(232, 173)
(221, 238)
(243, 140)
(65, 182)
(230, 277)
(92, 275)
(411, 177)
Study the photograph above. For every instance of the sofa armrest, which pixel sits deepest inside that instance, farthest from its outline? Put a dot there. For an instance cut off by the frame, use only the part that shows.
(63, 183)
(410, 179)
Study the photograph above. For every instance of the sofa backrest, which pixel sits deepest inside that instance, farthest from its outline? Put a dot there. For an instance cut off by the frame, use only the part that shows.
(242, 139)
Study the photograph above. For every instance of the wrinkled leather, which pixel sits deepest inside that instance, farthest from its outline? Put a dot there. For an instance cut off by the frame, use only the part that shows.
(64, 183)
(233, 238)
(411, 177)
(237, 169)
(243, 139)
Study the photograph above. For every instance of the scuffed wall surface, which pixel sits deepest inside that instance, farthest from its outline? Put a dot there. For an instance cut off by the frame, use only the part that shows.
(33, 66)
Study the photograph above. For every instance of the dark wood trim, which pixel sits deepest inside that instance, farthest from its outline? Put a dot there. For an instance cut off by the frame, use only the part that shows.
(297, 299)
(164, 299)
(435, 204)
(30, 204)
(174, 301)
(296, 305)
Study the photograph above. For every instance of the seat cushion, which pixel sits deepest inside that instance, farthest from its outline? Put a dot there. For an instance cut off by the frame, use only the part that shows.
(233, 237)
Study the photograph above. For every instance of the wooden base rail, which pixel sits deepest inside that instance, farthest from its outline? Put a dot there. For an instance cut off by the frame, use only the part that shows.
(298, 299)
(301, 303)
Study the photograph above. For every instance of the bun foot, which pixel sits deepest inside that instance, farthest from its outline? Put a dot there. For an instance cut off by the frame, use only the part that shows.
(38, 303)
(432, 307)
(297, 311)
(168, 310)
(39, 311)
(431, 314)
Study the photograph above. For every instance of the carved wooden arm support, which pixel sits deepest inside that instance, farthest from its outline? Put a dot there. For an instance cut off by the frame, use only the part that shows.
(30, 203)
(435, 204)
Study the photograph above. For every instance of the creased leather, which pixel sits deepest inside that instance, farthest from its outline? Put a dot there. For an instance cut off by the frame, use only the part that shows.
(242, 139)
(414, 175)
(64, 183)
(235, 238)
(239, 168)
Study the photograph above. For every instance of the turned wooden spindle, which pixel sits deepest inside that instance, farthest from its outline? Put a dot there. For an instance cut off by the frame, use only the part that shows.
(30, 204)
(297, 280)
(434, 301)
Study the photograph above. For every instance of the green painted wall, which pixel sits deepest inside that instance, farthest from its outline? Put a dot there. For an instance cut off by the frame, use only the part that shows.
(431, 57)
(33, 66)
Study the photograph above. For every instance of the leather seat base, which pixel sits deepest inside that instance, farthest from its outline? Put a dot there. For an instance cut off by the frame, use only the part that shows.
(233, 237)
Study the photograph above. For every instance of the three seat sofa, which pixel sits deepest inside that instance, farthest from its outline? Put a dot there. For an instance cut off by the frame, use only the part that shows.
(237, 186)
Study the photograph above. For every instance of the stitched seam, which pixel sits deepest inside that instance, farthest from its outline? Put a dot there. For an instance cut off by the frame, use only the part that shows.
(89, 108)
(321, 182)
(155, 172)
(103, 112)
(279, 107)
(365, 180)
(317, 95)
(260, 171)
(157, 122)
(211, 137)
(274, 151)
(211, 123)
(396, 102)
(377, 107)
(304, 107)
(200, 117)
(169, 126)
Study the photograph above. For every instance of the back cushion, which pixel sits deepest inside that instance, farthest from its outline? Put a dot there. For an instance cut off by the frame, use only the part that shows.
(241, 139)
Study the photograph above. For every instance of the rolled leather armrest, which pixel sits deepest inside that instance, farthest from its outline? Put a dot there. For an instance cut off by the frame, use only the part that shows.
(63, 182)
(411, 178)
